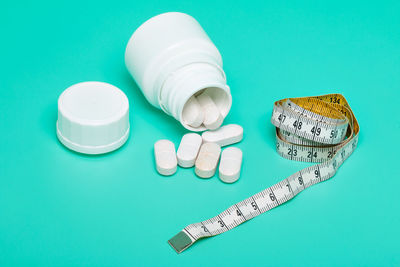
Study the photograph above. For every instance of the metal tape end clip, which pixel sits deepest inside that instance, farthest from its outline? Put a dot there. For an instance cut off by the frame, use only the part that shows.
(180, 242)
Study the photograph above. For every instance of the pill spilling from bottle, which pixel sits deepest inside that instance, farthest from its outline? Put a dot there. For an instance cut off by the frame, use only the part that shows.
(201, 110)
(203, 152)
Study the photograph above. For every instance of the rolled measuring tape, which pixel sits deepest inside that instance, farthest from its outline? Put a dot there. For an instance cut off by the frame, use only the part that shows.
(321, 129)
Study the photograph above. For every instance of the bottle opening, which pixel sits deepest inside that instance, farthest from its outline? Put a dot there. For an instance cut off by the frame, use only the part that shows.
(190, 116)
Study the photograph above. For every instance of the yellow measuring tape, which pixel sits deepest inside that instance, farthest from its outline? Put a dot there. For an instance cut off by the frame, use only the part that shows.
(321, 129)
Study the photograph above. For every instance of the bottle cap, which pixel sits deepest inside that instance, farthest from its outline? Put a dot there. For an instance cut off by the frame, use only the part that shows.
(93, 118)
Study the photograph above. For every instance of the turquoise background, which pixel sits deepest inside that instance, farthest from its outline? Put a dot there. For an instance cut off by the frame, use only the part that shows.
(60, 208)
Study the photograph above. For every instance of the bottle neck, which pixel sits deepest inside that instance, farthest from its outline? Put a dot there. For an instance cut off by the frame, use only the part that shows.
(190, 80)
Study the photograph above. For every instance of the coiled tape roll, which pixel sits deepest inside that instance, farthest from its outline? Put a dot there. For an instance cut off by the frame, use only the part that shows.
(321, 129)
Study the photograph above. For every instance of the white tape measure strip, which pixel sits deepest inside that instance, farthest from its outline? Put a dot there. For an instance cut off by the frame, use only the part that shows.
(303, 134)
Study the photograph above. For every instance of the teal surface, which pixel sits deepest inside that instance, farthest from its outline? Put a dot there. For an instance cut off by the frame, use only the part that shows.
(60, 208)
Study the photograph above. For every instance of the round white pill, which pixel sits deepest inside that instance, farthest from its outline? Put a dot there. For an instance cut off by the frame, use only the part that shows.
(230, 165)
(212, 116)
(207, 161)
(224, 136)
(164, 152)
(188, 149)
(193, 113)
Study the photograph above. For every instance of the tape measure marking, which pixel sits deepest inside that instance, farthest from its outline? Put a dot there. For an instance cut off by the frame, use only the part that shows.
(313, 129)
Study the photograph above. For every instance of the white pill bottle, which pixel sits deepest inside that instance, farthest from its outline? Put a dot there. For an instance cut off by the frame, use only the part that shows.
(171, 59)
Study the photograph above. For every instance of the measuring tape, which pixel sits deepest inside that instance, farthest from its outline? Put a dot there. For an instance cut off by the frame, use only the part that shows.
(319, 129)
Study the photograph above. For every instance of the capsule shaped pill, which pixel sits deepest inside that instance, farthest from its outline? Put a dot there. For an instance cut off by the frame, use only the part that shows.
(224, 136)
(188, 149)
(207, 160)
(230, 165)
(192, 113)
(164, 152)
(212, 116)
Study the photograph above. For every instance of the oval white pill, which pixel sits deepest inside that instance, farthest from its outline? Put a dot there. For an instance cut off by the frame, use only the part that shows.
(193, 113)
(230, 165)
(226, 135)
(207, 160)
(188, 149)
(212, 116)
(164, 151)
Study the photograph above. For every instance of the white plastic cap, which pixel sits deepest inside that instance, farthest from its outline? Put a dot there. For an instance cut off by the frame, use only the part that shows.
(93, 118)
